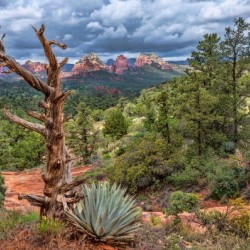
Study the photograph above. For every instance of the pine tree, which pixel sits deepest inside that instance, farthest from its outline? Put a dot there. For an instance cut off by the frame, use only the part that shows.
(82, 134)
(236, 54)
(115, 124)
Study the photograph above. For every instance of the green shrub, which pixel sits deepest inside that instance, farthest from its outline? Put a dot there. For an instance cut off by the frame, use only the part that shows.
(145, 162)
(50, 227)
(2, 191)
(106, 213)
(188, 177)
(180, 202)
(224, 184)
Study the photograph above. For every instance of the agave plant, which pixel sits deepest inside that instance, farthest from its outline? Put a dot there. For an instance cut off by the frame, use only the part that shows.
(106, 213)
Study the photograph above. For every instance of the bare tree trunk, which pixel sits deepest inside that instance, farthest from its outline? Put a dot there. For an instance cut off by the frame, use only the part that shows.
(59, 187)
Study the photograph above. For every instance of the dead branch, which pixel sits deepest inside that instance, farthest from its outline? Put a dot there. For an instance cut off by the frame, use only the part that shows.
(36, 115)
(63, 62)
(30, 125)
(44, 105)
(67, 187)
(35, 200)
(47, 47)
(60, 45)
(64, 95)
(33, 81)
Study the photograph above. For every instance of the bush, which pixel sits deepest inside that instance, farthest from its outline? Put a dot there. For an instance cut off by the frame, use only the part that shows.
(224, 184)
(2, 191)
(180, 202)
(145, 162)
(229, 147)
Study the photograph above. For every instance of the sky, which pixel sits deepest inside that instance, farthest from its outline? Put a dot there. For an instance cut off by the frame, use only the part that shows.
(170, 28)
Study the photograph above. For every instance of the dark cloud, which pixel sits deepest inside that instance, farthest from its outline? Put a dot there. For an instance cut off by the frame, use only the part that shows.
(111, 27)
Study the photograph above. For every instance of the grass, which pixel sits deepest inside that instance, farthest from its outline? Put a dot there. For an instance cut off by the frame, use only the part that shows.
(9, 220)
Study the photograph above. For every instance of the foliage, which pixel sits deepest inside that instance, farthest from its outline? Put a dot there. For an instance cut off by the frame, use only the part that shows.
(224, 183)
(115, 124)
(106, 213)
(12, 219)
(235, 219)
(50, 227)
(2, 191)
(81, 133)
(145, 161)
(180, 202)
(19, 148)
(155, 220)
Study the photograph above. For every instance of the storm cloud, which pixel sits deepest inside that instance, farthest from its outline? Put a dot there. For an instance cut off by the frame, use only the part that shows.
(172, 29)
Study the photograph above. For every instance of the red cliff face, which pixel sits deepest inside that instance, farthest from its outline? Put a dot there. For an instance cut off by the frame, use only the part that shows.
(120, 65)
(34, 67)
(152, 59)
(89, 63)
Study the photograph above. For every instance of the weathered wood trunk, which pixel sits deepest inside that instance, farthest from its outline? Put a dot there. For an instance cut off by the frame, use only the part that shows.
(59, 188)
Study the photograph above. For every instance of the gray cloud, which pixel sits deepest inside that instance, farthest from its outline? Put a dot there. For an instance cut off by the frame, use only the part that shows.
(109, 27)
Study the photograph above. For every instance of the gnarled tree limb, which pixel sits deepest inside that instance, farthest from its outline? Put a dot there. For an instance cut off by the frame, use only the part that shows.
(30, 125)
(60, 45)
(72, 185)
(33, 81)
(38, 116)
(64, 95)
(63, 62)
(47, 47)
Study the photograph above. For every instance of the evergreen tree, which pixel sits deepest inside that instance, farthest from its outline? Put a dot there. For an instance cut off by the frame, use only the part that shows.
(115, 124)
(194, 105)
(164, 105)
(236, 54)
(81, 132)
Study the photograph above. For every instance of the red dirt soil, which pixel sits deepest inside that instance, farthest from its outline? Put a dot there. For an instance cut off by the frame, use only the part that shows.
(27, 182)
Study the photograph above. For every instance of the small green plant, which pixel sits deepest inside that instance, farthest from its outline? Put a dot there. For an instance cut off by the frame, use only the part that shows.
(106, 213)
(50, 226)
(155, 220)
(12, 219)
(180, 202)
(141, 197)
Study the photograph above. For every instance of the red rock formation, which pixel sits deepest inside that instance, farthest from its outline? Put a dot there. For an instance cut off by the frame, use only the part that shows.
(89, 63)
(34, 67)
(120, 65)
(152, 59)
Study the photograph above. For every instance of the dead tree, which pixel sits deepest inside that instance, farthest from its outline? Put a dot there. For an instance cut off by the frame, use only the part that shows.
(59, 189)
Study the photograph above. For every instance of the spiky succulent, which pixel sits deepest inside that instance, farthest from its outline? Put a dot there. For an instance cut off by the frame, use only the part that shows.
(106, 212)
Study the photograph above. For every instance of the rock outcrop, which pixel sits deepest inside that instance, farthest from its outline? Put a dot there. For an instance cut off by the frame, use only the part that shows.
(153, 60)
(88, 63)
(120, 65)
(34, 67)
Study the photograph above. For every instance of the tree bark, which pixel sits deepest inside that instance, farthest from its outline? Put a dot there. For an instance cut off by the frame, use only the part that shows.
(57, 176)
